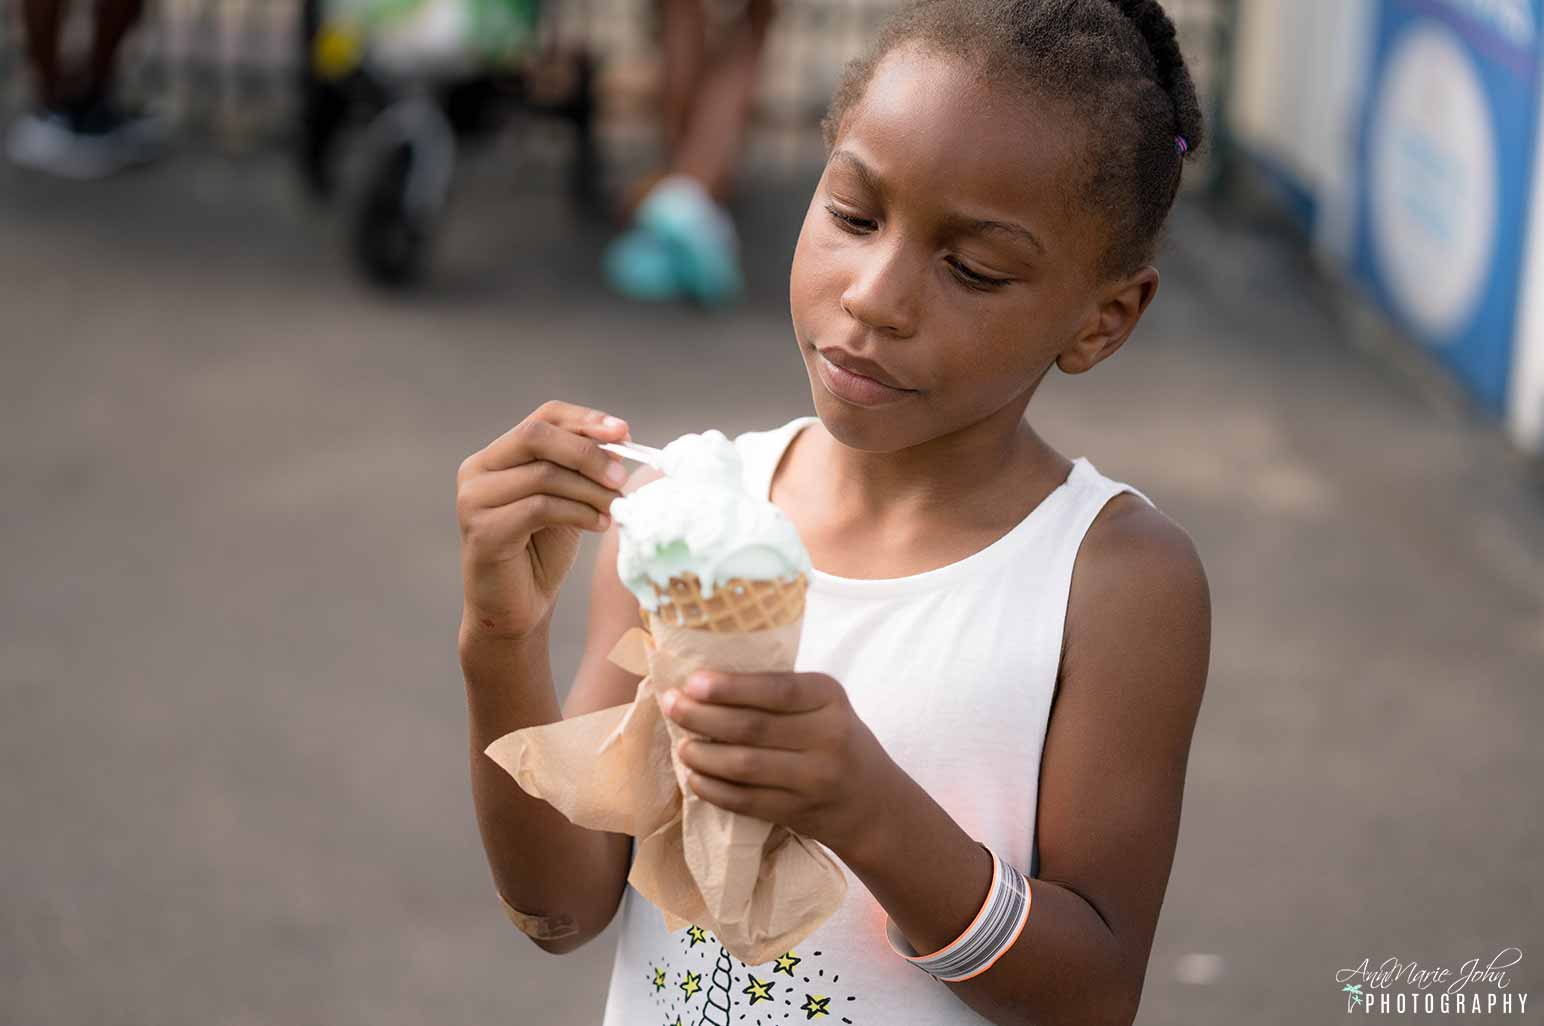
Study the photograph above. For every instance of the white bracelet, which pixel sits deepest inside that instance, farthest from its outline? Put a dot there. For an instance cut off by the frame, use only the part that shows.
(995, 929)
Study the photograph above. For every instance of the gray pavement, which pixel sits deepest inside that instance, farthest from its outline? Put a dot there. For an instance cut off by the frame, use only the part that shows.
(232, 731)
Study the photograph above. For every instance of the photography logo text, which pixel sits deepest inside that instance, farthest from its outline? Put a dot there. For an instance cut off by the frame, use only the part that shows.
(1394, 987)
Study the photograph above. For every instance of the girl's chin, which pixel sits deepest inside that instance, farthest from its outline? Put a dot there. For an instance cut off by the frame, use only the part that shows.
(857, 427)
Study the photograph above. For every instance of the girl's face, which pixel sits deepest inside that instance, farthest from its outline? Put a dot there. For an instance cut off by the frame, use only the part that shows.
(943, 247)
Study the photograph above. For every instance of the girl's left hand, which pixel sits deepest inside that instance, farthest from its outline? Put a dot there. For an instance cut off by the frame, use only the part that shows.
(784, 747)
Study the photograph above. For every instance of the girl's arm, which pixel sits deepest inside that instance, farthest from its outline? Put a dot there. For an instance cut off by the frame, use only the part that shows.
(1135, 655)
(543, 865)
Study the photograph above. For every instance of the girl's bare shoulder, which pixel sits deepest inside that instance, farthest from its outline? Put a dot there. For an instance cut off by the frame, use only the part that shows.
(1131, 528)
(1138, 582)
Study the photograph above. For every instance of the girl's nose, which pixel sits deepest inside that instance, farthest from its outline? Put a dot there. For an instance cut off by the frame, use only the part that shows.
(883, 291)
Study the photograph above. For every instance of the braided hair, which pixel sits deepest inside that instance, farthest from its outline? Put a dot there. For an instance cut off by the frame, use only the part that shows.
(1114, 67)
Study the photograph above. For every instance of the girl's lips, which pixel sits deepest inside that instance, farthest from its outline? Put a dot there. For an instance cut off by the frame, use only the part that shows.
(855, 388)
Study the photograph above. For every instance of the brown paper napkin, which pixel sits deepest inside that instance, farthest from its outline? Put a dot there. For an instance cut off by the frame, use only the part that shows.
(759, 887)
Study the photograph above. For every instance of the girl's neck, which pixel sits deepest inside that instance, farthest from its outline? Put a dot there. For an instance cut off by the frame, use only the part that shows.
(942, 478)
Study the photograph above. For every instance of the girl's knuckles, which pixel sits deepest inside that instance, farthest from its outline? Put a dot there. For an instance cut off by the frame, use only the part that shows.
(476, 529)
(466, 505)
(742, 763)
(537, 432)
(750, 730)
(545, 472)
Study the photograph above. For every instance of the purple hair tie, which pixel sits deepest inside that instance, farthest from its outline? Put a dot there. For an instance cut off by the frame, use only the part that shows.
(1181, 145)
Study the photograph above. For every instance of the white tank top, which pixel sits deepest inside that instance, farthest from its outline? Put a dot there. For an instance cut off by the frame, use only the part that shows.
(953, 670)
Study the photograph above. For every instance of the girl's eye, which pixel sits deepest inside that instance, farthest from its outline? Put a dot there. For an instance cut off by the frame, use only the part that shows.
(980, 282)
(852, 224)
(964, 275)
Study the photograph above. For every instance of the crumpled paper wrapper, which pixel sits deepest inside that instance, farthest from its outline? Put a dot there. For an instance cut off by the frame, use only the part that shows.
(761, 888)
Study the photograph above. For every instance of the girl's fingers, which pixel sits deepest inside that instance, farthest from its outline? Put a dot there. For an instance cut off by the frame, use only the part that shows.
(564, 434)
(539, 440)
(582, 420)
(742, 764)
(739, 725)
(539, 477)
(521, 519)
(769, 803)
(782, 692)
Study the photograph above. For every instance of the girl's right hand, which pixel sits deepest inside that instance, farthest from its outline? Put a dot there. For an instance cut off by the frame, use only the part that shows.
(522, 502)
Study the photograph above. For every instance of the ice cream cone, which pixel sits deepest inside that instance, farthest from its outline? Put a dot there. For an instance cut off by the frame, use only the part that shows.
(720, 576)
(739, 604)
(758, 620)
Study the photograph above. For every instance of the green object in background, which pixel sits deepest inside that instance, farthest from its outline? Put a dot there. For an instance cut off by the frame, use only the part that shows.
(494, 32)
(502, 29)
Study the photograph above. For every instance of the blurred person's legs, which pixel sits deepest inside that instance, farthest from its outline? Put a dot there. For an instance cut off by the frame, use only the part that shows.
(684, 241)
(683, 54)
(713, 128)
(77, 130)
(42, 19)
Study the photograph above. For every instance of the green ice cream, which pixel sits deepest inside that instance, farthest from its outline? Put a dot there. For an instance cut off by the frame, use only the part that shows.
(699, 519)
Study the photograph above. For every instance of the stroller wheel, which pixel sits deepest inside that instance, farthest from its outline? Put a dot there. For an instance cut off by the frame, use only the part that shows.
(413, 153)
(391, 241)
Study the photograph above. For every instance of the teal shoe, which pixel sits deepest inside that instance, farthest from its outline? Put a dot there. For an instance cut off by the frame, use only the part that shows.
(641, 265)
(700, 237)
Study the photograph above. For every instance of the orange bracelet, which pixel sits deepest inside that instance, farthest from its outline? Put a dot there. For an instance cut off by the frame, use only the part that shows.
(994, 930)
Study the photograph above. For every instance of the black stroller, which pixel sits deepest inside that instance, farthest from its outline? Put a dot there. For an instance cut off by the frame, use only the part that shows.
(416, 107)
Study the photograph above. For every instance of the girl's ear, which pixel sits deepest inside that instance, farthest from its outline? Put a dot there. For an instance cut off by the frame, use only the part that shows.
(1117, 309)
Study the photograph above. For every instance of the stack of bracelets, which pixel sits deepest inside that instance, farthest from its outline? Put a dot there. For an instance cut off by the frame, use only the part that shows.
(997, 926)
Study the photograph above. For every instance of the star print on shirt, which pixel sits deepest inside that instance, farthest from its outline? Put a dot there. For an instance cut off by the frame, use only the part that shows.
(758, 990)
(786, 962)
(697, 935)
(659, 980)
(814, 1005)
(692, 984)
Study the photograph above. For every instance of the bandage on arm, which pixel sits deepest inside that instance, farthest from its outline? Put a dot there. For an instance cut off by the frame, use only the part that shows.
(542, 928)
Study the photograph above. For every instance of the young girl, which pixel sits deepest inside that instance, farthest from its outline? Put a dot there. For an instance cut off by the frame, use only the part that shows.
(1004, 650)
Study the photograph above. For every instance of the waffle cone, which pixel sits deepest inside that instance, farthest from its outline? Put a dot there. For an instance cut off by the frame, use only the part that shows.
(739, 604)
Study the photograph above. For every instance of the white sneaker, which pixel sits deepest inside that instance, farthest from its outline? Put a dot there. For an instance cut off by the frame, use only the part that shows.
(88, 146)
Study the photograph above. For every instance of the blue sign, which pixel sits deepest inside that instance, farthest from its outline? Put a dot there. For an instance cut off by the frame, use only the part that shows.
(1445, 159)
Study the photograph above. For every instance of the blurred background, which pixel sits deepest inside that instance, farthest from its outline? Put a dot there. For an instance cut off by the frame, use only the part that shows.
(354, 245)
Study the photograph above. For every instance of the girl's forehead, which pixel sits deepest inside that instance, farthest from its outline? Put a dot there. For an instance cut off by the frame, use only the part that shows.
(930, 126)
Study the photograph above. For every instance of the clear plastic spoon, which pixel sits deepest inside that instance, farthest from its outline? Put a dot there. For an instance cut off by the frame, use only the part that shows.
(633, 451)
